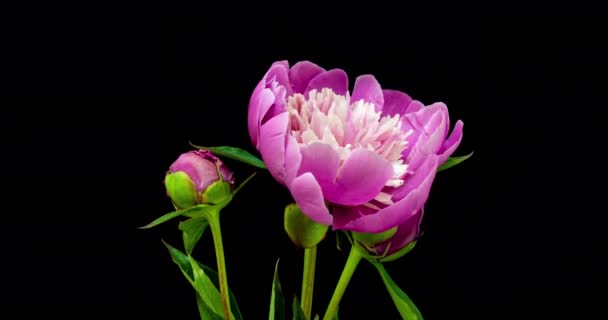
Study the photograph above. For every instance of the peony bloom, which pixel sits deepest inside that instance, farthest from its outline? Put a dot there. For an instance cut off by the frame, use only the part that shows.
(363, 162)
(192, 174)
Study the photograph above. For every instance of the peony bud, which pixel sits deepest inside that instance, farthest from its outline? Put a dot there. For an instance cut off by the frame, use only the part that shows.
(393, 243)
(198, 177)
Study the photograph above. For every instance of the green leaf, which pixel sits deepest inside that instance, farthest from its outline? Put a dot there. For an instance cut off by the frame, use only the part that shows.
(215, 279)
(452, 161)
(235, 154)
(303, 231)
(185, 265)
(298, 313)
(186, 212)
(407, 309)
(243, 183)
(205, 288)
(205, 311)
(192, 230)
(277, 300)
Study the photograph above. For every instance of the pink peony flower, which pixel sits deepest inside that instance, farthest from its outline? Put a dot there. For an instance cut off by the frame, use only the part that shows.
(363, 162)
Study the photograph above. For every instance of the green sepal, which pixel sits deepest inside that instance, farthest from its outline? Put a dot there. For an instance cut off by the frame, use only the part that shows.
(185, 263)
(399, 253)
(234, 154)
(218, 193)
(452, 161)
(372, 239)
(405, 306)
(181, 190)
(277, 300)
(303, 232)
(192, 230)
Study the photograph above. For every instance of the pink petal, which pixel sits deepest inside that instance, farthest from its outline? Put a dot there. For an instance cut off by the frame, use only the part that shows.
(309, 197)
(335, 79)
(301, 73)
(293, 158)
(417, 189)
(395, 102)
(261, 100)
(345, 214)
(368, 89)
(360, 179)
(279, 72)
(273, 135)
(451, 143)
(322, 161)
(414, 106)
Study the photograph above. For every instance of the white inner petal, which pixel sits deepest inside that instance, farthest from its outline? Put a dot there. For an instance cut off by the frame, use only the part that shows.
(331, 119)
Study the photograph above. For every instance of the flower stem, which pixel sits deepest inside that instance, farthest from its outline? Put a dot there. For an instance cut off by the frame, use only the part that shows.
(351, 264)
(214, 224)
(308, 279)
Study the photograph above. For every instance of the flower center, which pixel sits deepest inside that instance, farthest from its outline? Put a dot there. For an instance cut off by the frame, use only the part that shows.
(330, 118)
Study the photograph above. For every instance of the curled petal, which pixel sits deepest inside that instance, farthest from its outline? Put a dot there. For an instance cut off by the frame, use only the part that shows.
(451, 143)
(309, 197)
(415, 193)
(293, 158)
(301, 73)
(322, 161)
(279, 72)
(335, 79)
(368, 89)
(261, 100)
(360, 179)
(273, 136)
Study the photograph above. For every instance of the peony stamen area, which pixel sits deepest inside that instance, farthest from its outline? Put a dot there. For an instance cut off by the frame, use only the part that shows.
(332, 119)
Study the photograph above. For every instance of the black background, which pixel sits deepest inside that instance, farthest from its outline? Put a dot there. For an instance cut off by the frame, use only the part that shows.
(95, 109)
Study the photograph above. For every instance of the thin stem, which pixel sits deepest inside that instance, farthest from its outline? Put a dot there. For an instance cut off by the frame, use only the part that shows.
(308, 279)
(214, 224)
(349, 268)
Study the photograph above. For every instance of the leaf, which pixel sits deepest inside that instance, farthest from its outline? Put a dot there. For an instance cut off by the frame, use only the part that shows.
(407, 309)
(298, 313)
(183, 261)
(192, 230)
(452, 161)
(277, 300)
(205, 288)
(192, 211)
(205, 311)
(235, 153)
(303, 232)
(215, 279)
(243, 183)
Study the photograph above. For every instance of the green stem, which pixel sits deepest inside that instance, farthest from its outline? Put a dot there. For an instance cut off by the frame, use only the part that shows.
(351, 264)
(308, 279)
(214, 224)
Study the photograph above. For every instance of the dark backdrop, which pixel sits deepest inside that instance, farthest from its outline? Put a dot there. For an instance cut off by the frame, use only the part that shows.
(95, 109)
